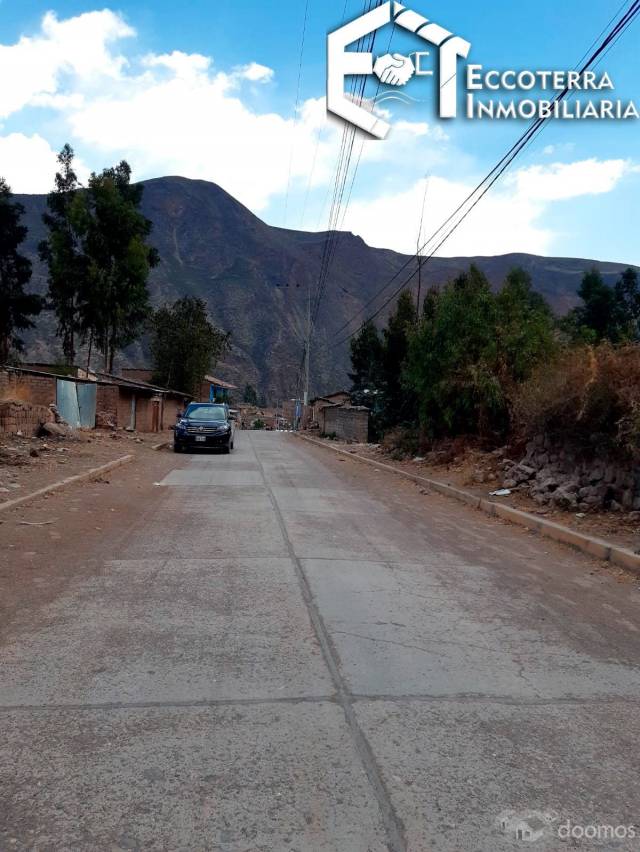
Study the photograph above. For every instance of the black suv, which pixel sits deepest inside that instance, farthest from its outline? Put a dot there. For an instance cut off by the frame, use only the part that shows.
(203, 425)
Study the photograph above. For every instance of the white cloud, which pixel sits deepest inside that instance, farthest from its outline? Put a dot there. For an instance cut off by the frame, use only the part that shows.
(78, 46)
(177, 113)
(29, 163)
(510, 217)
(256, 73)
(562, 181)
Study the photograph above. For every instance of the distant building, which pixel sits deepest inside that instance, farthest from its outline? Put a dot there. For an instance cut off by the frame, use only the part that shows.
(213, 389)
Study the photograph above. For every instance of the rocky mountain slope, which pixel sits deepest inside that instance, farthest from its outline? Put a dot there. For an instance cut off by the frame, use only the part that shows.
(255, 280)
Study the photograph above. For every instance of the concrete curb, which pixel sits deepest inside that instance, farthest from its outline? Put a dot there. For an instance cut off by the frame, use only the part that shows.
(161, 445)
(565, 535)
(70, 480)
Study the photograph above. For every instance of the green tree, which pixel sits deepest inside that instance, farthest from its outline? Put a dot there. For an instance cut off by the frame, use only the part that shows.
(120, 259)
(606, 313)
(452, 360)
(16, 307)
(63, 252)
(250, 395)
(627, 291)
(184, 344)
(366, 360)
(472, 349)
(398, 405)
(525, 328)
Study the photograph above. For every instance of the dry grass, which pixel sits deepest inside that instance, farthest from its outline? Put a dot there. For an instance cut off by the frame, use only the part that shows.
(591, 395)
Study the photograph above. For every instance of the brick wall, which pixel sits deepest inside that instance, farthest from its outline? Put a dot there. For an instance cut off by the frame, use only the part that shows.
(347, 424)
(39, 390)
(23, 417)
(107, 403)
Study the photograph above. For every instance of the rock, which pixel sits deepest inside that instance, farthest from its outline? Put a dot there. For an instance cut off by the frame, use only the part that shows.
(523, 473)
(509, 484)
(626, 499)
(634, 516)
(564, 500)
(615, 506)
(55, 429)
(592, 501)
(551, 483)
(596, 475)
(543, 459)
(34, 453)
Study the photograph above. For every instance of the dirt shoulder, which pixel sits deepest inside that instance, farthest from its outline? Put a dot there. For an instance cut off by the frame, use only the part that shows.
(48, 542)
(480, 474)
(28, 464)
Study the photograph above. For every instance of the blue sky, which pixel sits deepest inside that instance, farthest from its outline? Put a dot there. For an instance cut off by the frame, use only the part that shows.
(208, 89)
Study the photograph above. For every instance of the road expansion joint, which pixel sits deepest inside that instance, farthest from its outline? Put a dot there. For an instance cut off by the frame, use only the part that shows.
(170, 705)
(394, 826)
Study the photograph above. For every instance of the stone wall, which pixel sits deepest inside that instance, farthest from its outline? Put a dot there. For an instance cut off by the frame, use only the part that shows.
(346, 423)
(561, 476)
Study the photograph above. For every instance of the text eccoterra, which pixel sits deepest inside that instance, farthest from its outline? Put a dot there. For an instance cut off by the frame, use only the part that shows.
(479, 80)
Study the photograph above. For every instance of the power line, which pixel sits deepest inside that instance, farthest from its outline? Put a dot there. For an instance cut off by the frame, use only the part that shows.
(297, 106)
(492, 177)
(340, 181)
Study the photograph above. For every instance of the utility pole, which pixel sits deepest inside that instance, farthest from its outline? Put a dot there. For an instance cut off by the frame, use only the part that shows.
(419, 247)
(307, 367)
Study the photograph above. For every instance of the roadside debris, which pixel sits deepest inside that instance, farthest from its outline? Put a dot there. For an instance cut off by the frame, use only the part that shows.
(501, 492)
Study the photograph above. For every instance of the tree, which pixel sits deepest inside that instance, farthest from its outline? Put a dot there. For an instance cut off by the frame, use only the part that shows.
(525, 328)
(606, 313)
(250, 395)
(63, 251)
(16, 306)
(120, 259)
(366, 360)
(627, 292)
(471, 349)
(398, 405)
(184, 344)
(452, 358)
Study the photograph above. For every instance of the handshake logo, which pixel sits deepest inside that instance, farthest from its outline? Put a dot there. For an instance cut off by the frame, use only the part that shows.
(394, 70)
(391, 69)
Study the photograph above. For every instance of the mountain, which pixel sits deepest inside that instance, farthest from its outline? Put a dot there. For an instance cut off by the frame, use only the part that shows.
(255, 279)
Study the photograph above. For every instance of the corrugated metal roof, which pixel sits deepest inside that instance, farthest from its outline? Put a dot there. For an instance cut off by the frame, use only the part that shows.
(212, 380)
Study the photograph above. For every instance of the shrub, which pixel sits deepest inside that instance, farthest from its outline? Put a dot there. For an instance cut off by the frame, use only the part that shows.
(401, 441)
(589, 393)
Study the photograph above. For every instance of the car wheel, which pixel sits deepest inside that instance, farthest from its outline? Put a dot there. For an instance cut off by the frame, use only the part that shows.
(227, 450)
(177, 449)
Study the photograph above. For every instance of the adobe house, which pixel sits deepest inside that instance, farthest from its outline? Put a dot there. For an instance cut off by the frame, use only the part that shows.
(213, 389)
(83, 398)
(137, 405)
(320, 402)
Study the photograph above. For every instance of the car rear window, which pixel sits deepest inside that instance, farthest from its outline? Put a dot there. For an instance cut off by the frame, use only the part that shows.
(206, 412)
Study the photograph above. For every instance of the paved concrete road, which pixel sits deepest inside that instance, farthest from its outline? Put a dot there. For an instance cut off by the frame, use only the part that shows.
(299, 653)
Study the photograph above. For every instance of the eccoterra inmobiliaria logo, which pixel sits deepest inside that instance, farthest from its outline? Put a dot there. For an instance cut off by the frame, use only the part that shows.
(490, 94)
